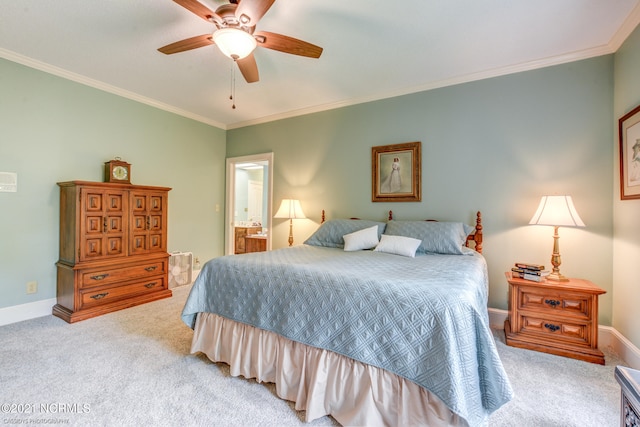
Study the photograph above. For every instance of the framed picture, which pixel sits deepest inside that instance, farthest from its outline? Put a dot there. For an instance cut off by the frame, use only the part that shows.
(396, 173)
(629, 133)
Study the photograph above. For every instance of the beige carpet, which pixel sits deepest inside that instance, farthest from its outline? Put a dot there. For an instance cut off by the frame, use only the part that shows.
(133, 368)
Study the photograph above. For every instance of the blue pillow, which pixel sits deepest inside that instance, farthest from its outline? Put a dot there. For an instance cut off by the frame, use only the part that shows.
(330, 232)
(437, 237)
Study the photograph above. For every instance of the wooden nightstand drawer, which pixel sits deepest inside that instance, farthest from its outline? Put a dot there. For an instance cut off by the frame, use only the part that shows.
(571, 304)
(556, 329)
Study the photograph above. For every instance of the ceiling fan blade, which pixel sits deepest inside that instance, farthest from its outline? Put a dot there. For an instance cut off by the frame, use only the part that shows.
(249, 12)
(187, 44)
(199, 9)
(287, 44)
(248, 68)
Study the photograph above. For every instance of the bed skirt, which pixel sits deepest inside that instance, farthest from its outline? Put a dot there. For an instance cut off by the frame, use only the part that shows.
(320, 382)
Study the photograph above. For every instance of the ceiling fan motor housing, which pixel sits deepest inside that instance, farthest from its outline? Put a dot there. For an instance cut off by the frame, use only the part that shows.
(240, 17)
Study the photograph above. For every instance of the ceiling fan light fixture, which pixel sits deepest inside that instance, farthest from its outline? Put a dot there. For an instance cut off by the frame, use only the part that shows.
(234, 43)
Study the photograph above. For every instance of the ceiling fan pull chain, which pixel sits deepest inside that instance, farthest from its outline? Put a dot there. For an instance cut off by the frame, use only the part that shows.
(231, 83)
(232, 97)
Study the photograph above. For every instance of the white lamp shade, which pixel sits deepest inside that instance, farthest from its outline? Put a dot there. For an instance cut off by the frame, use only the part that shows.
(557, 211)
(234, 43)
(290, 208)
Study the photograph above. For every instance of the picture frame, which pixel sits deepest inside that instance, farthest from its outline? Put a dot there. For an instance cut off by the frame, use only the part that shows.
(396, 172)
(629, 135)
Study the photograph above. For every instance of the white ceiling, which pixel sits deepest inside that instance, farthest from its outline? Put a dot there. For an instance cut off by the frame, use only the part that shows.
(373, 49)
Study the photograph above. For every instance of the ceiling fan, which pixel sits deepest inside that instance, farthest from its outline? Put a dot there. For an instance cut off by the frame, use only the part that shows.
(236, 37)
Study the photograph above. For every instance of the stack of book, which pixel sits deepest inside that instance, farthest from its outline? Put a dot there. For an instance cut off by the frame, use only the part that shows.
(535, 272)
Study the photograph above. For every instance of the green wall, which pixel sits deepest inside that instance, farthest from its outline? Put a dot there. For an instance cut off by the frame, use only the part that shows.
(494, 145)
(626, 240)
(53, 130)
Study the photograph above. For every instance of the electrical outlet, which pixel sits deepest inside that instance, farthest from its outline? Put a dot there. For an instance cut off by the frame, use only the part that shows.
(32, 287)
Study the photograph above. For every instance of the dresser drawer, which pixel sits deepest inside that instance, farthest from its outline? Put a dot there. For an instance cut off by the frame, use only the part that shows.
(574, 305)
(108, 294)
(556, 330)
(104, 276)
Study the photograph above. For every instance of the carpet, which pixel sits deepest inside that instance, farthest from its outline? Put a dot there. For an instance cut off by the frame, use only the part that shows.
(133, 367)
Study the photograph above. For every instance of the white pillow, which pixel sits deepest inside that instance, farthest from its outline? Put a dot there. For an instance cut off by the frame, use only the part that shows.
(366, 238)
(398, 245)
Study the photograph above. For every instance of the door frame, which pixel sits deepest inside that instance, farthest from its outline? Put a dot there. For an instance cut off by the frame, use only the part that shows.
(229, 235)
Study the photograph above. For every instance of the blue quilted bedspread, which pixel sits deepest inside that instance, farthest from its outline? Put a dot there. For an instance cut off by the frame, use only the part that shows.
(422, 318)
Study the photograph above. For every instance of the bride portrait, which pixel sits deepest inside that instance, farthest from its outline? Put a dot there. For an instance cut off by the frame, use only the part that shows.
(393, 182)
(396, 172)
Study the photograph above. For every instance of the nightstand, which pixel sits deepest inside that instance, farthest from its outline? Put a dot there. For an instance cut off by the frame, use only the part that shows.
(554, 317)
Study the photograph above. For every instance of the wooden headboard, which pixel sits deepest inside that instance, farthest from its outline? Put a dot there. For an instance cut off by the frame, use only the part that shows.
(475, 236)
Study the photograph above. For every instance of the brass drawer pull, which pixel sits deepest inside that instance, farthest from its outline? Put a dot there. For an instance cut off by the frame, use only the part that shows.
(552, 302)
(100, 277)
(551, 327)
(153, 267)
(150, 285)
(99, 296)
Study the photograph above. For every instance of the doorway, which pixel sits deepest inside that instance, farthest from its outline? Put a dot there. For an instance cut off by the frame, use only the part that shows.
(248, 197)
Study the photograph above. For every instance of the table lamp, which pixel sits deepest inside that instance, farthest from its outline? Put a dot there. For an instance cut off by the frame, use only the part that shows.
(290, 208)
(557, 211)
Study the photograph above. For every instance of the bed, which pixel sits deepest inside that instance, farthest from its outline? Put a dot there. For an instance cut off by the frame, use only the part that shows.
(373, 323)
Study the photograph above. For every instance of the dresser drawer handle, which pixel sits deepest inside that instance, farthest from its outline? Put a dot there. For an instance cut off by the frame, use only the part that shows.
(99, 296)
(100, 277)
(551, 327)
(153, 267)
(552, 302)
(150, 285)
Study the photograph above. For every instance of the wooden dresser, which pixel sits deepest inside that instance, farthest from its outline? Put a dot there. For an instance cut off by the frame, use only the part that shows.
(113, 248)
(554, 317)
(240, 234)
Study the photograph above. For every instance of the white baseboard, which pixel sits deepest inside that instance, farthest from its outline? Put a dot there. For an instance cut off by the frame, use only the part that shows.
(18, 313)
(607, 337)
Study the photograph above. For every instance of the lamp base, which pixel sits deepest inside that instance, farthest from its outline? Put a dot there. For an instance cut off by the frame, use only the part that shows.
(557, 277)
(290, 232)
(555, 259)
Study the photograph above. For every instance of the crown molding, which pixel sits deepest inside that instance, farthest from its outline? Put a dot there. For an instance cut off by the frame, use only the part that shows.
(78, 78)
(614, 44)
(496, 72)
(625, 30)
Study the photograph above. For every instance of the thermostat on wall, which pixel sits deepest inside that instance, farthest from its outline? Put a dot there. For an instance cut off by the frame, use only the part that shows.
(8, 182)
